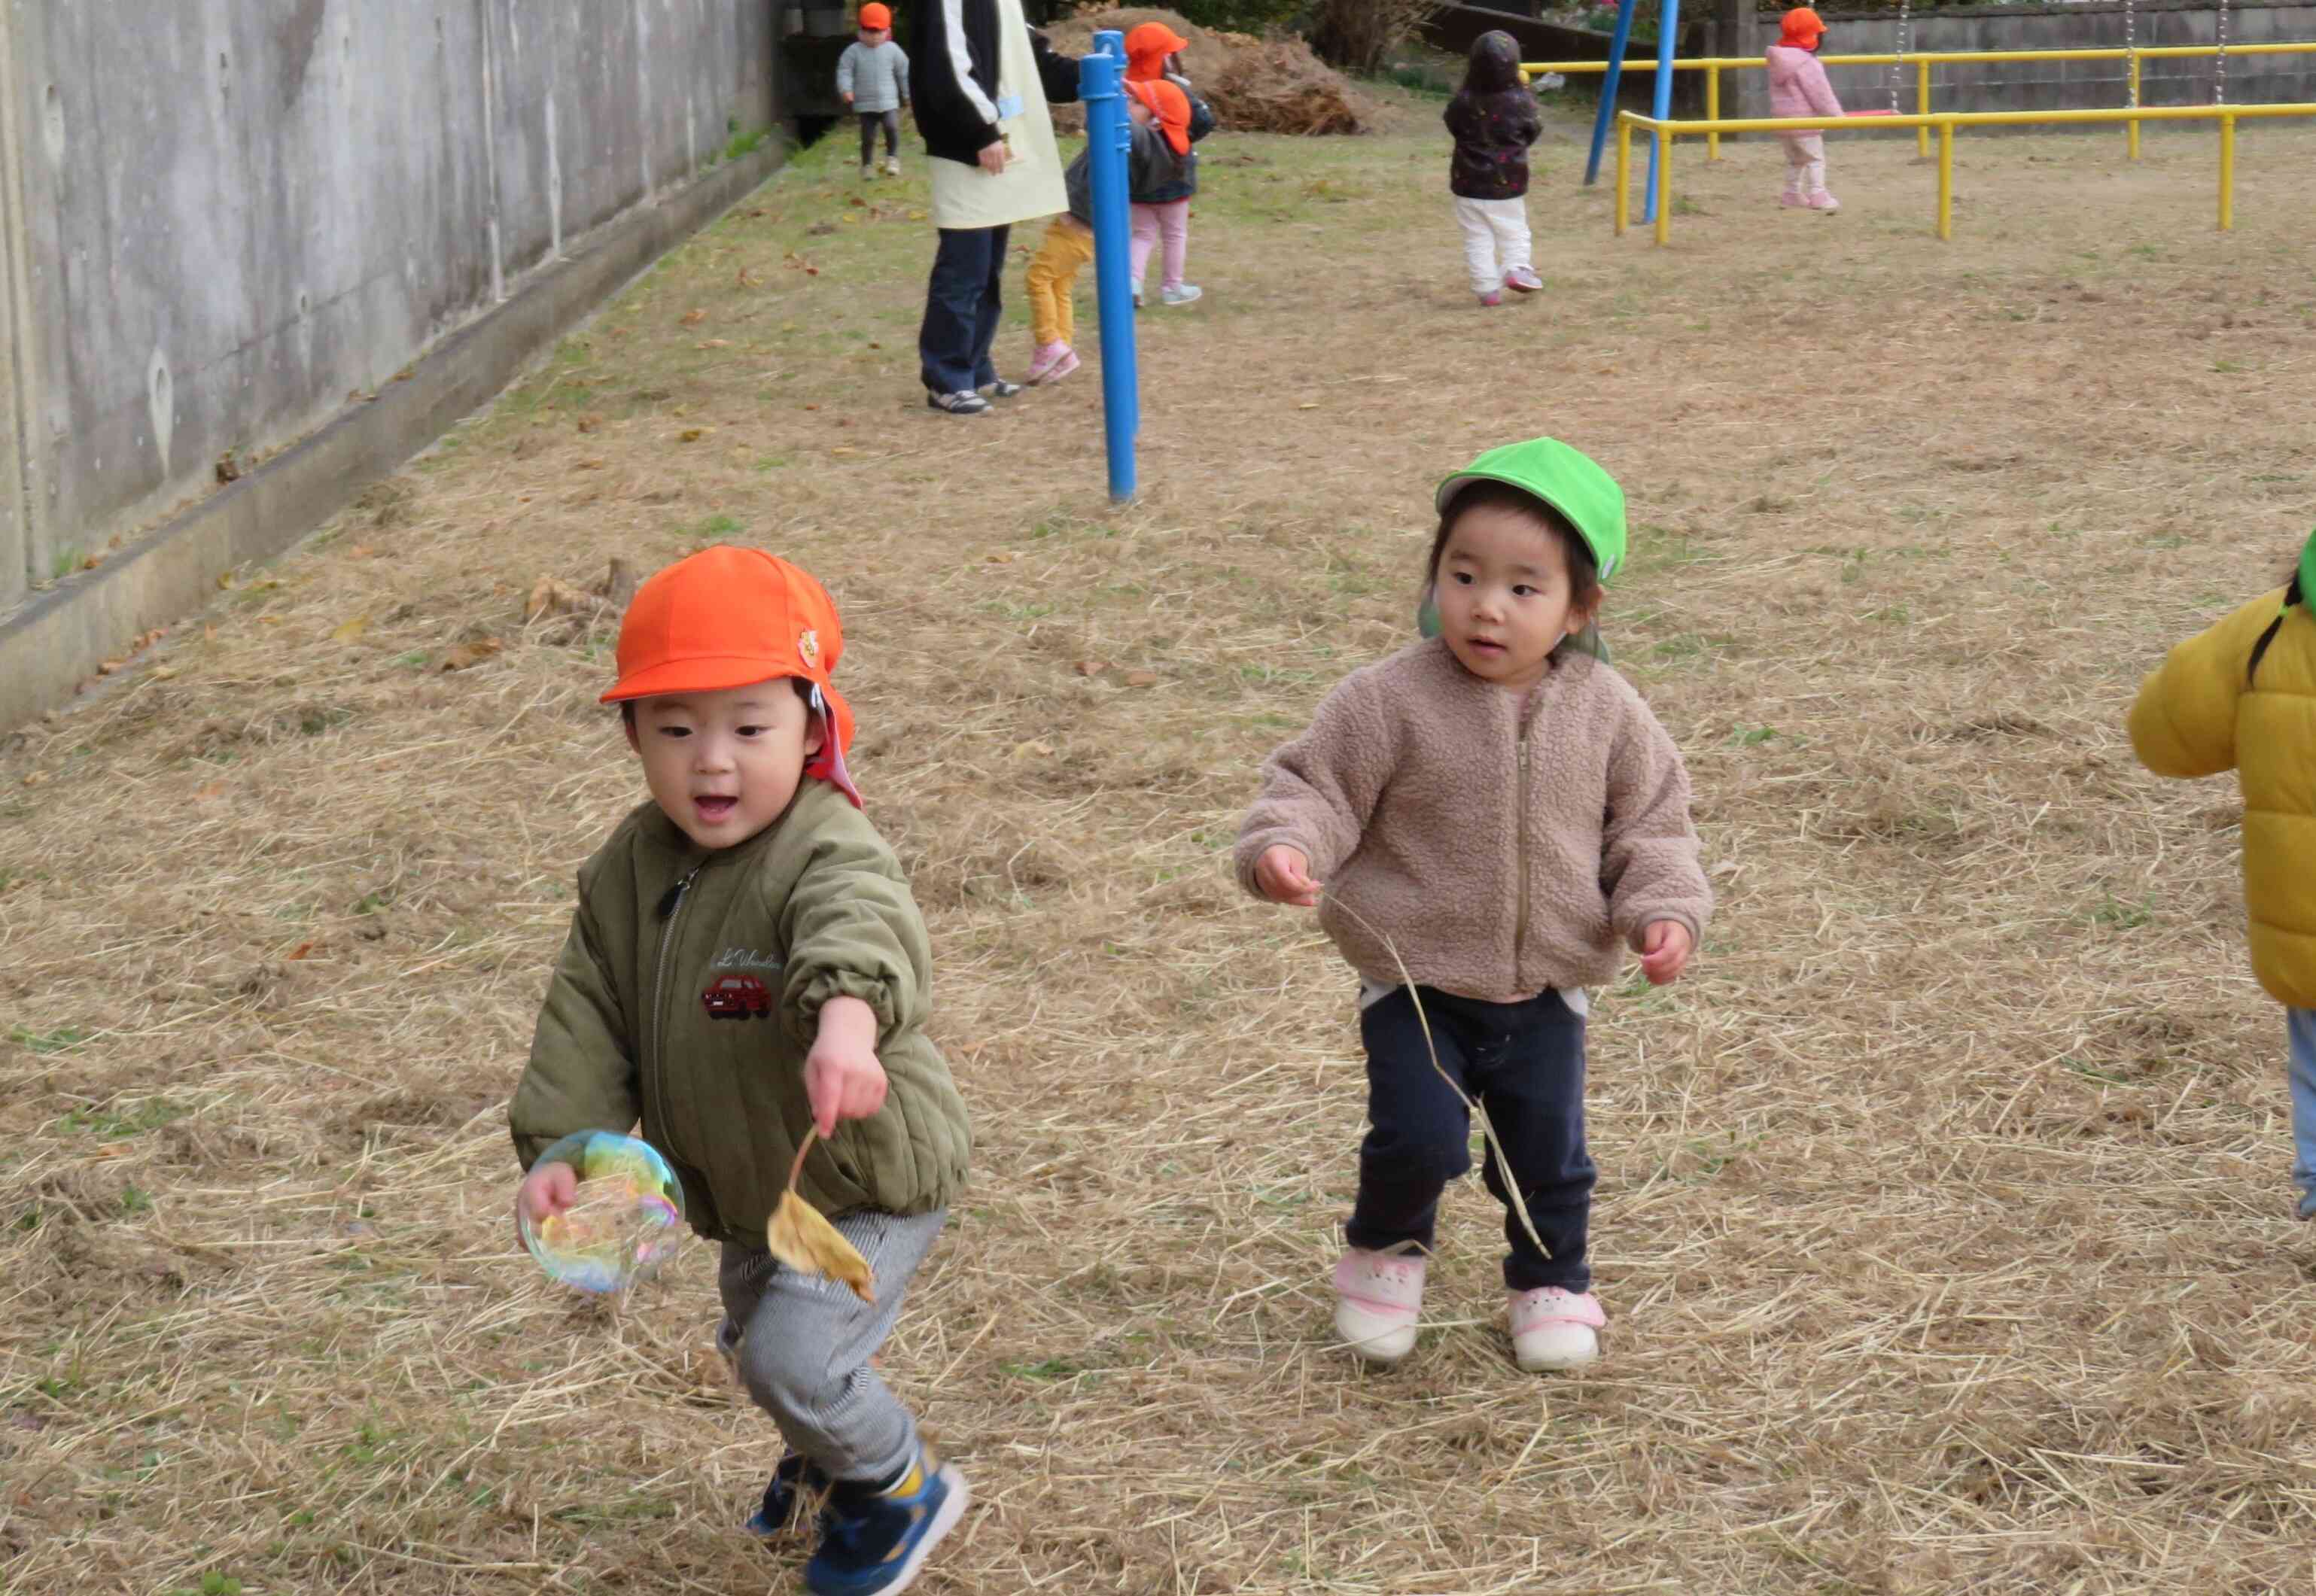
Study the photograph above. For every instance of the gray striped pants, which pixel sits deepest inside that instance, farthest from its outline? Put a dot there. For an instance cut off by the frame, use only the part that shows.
(801, 1345)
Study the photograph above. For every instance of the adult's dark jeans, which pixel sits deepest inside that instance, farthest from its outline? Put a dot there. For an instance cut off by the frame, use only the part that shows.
(963, 305)
(1524, 1063)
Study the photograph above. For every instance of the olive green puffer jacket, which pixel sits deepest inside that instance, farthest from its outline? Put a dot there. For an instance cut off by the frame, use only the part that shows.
(689, 993)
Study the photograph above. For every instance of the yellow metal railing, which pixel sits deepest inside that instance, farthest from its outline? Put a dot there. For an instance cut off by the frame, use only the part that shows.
(1946, 122)
(1712, 66)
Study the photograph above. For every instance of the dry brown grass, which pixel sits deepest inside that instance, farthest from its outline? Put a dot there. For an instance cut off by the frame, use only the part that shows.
(1943, 1218)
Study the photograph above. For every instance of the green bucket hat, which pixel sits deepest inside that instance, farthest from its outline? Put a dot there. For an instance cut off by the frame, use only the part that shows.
(1571, 482)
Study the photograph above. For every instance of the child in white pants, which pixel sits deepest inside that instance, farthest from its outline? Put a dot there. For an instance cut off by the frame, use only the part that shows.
(1493, 118)
(1798, 88)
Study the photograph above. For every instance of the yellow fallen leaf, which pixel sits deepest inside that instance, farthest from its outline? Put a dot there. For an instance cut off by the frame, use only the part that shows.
(693, 434)
(843, 449)
(467, 655)
(350, 631)
(800, 1237)
(1309, 404)
(164, 672)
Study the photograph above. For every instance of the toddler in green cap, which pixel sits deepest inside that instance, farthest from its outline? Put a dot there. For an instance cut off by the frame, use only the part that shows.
(1493, 815)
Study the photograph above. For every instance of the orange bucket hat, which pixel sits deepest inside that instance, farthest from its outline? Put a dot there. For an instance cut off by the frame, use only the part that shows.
(1169, 106)
(728, 618)
(873, 16)
(1800, 28)
(1147, 47)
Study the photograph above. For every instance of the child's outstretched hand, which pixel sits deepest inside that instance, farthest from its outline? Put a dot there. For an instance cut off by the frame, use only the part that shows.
(549, 1189)
(1284, 874)
(1665, 948)
(842, 1080)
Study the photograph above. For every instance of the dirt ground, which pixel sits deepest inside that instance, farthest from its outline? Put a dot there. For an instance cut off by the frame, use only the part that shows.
(1944, 1219)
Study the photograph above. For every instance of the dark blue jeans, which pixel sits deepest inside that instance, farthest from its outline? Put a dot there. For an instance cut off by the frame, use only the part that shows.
(1524, 1063)
(962, 303)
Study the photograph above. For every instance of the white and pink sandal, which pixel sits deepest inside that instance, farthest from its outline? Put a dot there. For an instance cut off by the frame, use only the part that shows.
(1378, 1298)
(1555, 1329)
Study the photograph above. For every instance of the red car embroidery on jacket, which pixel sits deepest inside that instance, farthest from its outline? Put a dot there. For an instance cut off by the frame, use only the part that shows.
(737, 998)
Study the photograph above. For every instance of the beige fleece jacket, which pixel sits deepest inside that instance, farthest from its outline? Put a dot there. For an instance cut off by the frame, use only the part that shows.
(1503, 847)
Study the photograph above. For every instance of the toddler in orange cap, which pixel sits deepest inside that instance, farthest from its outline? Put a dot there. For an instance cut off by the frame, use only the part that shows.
(1798, 88)
(746, 965)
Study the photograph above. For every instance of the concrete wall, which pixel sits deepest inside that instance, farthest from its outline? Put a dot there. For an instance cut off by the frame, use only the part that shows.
(2046, 85)
(224, 216)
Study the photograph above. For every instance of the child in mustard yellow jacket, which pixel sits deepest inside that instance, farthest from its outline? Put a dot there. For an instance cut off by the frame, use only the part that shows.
(2241, 696)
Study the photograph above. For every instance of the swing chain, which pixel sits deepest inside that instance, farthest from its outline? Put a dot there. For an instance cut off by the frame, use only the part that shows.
(2220, 79)
(1905, 38)
(2131, 44)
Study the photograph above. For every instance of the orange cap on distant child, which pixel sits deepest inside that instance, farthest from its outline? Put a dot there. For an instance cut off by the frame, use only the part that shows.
(1147, 47)
(1800, 28)
(873, 16)
(730, 618)
(1169, 107)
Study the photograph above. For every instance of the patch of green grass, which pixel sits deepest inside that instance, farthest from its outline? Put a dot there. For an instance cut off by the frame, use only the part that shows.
(1753, 736)
(63, 1039)
(2113, 912)
(149, 1115)
(136, 1200)
(1045, 1370)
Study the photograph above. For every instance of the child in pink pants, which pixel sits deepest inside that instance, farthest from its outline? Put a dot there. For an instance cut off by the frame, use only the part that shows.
(1162, 191)
(1798, 88)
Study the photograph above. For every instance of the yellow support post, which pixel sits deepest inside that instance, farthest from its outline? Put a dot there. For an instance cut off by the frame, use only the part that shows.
(1712, 111)
(2134, 104)
(1922, 106)
(1623, 174)
(2227, 175)
(1945, 179)
(1664, 184)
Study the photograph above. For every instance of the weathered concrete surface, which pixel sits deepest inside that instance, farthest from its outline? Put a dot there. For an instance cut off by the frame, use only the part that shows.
(56, 640)
(237, 212)
(2053, 85)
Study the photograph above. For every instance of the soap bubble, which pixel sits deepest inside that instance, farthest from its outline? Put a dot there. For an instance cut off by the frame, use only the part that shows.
(625, 1222)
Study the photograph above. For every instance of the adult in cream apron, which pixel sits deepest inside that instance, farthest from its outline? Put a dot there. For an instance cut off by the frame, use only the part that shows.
(975, 209)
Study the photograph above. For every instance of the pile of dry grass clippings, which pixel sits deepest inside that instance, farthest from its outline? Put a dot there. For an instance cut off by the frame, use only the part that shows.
(1255, 86)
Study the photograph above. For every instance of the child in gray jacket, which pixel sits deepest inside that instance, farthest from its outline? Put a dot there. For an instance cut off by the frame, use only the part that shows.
(873, 77)
(1496, 817)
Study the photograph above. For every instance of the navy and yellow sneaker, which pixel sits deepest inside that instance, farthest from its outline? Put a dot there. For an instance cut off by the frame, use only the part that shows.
(872, 1544)
(796, 1479)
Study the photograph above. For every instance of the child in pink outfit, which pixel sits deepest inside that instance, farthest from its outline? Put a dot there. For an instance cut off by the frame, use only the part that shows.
(1798, 88)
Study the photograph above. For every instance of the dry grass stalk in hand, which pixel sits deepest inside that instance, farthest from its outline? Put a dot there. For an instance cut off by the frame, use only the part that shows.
(1471, 1103)
(800, 1236)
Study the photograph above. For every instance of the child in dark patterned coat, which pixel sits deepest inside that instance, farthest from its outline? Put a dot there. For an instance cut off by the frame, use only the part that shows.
(1494, 119)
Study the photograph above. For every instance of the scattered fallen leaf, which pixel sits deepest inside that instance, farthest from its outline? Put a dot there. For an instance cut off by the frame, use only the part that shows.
(299, 951)
(812, 407)
(164, 672)
(1308, 404)
(1090, 667)
(1004, 557)
(228, 469)
(215, 789)
(747, 281)
(821, 229)
(225, 582)
(350, 630)
(91, 562)
(791, 327)
(1043, 750)
(468, 654)
(693, 434)
(1140, 679)
(845, 450)
(107, 667)
(874, 345)
(692, 318)
(800, 1237)
(854, 199)
(36, 779)
(588, 423)
(551, 597)
(715, 343)
(916, 215)
(360, 551)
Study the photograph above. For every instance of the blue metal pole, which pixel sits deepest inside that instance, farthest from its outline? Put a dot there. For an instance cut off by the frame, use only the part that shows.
(1110, 135)
(1608, 81)
(1668, 28)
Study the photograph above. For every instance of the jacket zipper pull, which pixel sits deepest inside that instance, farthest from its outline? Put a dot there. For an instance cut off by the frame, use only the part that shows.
(674, 894)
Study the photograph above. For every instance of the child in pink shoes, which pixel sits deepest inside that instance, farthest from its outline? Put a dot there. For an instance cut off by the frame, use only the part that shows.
(1495, 815)
(1798, 88)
